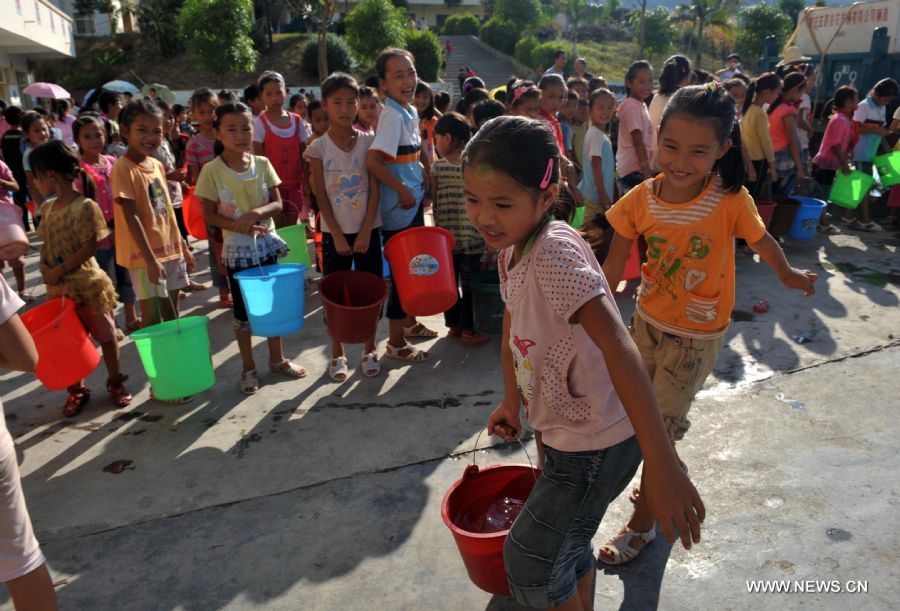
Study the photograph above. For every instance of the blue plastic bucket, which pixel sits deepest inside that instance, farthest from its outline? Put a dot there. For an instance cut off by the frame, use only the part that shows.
(808, 215)
(274, 298)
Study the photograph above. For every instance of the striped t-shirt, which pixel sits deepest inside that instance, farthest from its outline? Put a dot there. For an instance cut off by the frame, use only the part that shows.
(450, 208)
(398, 137)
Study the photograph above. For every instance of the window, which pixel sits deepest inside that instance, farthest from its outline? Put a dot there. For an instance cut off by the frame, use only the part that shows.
(37, 12)
(84, 25)
(52, 23)
(19, 6)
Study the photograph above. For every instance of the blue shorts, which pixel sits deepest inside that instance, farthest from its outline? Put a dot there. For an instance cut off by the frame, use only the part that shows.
(549, 546)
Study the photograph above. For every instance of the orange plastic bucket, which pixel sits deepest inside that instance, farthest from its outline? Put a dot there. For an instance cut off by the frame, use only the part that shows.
(421, 261)
(352, 302)
(193, 216)
(65, 352)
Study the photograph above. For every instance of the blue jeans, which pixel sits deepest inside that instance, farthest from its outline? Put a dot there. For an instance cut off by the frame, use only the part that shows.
(549, 547)
(106, 259)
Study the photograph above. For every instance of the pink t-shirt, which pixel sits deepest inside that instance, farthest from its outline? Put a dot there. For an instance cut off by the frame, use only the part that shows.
(633, 115)
(777, 128)
(200, 151)
(6, 174)
(560, 371)
(100, 173)
(840, 132)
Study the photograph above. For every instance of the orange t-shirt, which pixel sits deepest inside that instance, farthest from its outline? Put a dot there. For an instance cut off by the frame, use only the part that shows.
(687, 283)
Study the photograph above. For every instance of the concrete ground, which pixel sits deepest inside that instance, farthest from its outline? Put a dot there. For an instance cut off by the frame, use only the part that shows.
(318, 495)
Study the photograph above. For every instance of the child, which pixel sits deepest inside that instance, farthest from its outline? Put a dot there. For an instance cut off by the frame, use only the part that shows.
(599, 164)
(11, 145)
(90, 137)
(22, 565)
(350, 221)
(252, 99)
(676, 73)
(737, 89)
(298, 105)
(689, 215)
(367, 116)
(804, 116)
(553, 93)
(524, 100)
(318, 119)
(428, 116)
(566, 121)
(579, 129)
(239, 193)
(37, 132)
(452, 132)
(442, 102)
(72, 225)
(785, 138)
(755, 132)
(870, 121)
(397, 161)
(634, 159)
(64, 121)
(279, 136)
(147, 240)
(837, 146)
(8, 186)
(487, 110)
(199, 151)
(171, 153)
(567, 357)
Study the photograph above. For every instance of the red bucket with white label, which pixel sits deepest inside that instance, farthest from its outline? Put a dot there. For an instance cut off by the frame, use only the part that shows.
(421, 261)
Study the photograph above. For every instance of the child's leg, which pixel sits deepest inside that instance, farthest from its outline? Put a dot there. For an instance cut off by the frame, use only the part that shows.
(244, 341)
(33, 590)
(453, 316)
(19, 273)
(398, 320)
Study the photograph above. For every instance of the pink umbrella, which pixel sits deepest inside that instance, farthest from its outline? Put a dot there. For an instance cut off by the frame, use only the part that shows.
(46, 90)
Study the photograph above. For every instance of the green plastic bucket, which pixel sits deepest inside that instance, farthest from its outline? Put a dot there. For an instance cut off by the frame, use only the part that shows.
(176, 357)
(578, 218)
(850, 189)
(888, 168)
(487, 305)
(295, 237)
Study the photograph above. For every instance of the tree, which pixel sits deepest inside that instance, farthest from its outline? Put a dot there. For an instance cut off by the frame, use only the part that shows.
(461, 24)
(660, 32)
(579, 13)
(760, 18)
(704, 15)
(524, 14)
(426, 48)
(218, 31)
(320, 13)
(373, 25)
(157, 22)
(792, 8)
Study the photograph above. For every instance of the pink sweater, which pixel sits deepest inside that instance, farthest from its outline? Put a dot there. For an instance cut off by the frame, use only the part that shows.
(560, 372)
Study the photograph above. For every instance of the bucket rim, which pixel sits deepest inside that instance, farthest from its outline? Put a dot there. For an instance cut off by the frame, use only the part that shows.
(45, 307)
(189, 322)
(422, 229)
(253, 272)
(445, 516)
(354, 308)
(290, 228)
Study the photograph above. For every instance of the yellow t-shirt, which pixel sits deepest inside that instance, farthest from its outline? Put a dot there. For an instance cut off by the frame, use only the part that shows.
(687, 283)
(237, 193)
(148, 188)
(755, 134)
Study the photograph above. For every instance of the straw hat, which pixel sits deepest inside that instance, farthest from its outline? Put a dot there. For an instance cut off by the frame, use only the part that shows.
(792, 55)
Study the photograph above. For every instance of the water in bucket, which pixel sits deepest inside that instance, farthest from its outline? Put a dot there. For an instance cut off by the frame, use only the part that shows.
(176, 357)
(274, 296)
(498, 516)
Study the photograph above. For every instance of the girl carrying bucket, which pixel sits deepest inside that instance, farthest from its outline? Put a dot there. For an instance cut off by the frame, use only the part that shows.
(567, 356)
(689, 216)
(347, 196)
(239, 195)
(71, 227)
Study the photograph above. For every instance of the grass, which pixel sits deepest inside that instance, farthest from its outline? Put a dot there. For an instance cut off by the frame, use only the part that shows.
(611, 59)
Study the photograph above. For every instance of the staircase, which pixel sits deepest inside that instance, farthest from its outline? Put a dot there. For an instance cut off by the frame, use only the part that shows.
(490, 65)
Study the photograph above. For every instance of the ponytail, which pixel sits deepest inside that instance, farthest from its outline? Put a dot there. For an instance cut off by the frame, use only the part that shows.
(730, 167)
(748, 99)
(764, 82)
(88, 183)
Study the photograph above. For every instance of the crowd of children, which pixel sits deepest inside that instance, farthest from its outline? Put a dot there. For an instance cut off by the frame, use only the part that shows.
(505, 175)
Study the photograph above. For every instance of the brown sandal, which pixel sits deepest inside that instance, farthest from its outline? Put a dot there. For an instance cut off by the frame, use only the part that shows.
(79, 395)
(116, 388)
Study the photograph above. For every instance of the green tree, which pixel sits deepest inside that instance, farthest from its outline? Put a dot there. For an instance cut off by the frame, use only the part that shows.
(218, 31)
(502, 35)
(157, 20)
(426, 48)
(660, 31)
(373, 25)
(578, 13)
(320, 13)
(464, 24)
(703, 15)
(524, 14)
(338, 57)
(760, 18)
(792, 8)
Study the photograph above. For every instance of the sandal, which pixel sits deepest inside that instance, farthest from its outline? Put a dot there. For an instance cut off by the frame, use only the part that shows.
(338, 369)
(116, 388)
(407, 352)
(454, 332)
(249, 383)
(120, 335)
(289, 369)
(134, 325)
(473, 338)
(828, 229)
(619, 547)
(419, 330)
(79, 395)
(370, 365)
(225, 299)
(195, 287)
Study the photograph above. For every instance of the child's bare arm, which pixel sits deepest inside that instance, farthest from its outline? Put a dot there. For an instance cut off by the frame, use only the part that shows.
(361, 243)
(596, 166)
(614, 264)
(17, 350)
(375, 164)
(135, 228)
(193, 173)
(52, 275)
(770, 252)
(317, 173)
(637, 138)
(9, 185)
(673, 499)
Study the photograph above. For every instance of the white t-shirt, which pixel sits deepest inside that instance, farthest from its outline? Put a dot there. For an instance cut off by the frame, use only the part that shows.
(657, 106)
(346, 180)
(805, 110)
(259, 129)
(10, 303)
(868, 113)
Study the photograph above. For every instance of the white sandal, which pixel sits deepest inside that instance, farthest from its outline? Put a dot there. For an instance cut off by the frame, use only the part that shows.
(338, 369)
(620, 546)
(249, 383)
(370, 365)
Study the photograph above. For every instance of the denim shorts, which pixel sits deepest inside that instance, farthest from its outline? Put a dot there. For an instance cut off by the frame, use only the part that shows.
(549, 546)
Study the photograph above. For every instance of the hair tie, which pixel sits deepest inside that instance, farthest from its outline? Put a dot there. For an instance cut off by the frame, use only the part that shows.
(545, 181)
(519, 91)
(714, 86)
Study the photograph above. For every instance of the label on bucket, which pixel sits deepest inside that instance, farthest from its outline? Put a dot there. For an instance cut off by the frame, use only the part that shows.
(423, 265)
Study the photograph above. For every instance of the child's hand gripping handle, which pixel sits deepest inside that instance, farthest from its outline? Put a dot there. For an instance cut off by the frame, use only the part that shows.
(505, 422)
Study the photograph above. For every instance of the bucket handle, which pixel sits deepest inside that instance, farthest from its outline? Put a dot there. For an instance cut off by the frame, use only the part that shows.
(473, 468)
(165, 289)
(258, 260)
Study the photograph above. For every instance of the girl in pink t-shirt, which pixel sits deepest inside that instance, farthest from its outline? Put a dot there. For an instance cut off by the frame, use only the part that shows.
(567, 357)
(634, 155)
(840, 137)
(785, 136)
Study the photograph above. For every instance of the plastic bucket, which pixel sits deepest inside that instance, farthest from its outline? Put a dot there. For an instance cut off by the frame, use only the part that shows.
(65, 352)
(295, 237)
(783, 216)
(804, 226)
(176, 357)
(421, 261)
(487, 304)
(352, 302)
(888, 168)
(894, 198)
(633, 264)
(577, 218)
(765, 209)
(482, 553)
(192, 212)
(849, 190)
(317, 241)
(274, 298)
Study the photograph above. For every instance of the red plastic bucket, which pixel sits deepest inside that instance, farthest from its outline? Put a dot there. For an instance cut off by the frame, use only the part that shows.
(421, 261)
(633, 264)
(894, 197)
(193, 216)
(765, 209)
(482, 553)
(65, 353)
(352, 303)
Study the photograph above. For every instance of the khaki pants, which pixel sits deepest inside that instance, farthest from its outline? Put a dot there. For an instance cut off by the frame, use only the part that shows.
(677, 366)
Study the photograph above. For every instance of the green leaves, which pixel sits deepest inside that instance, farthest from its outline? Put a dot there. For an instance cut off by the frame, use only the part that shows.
(218, 31)
(374, 25)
